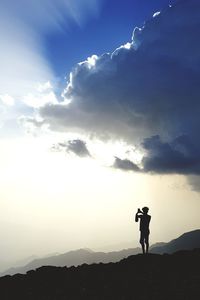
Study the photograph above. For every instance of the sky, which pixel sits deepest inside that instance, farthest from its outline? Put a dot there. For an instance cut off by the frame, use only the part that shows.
(99, 116)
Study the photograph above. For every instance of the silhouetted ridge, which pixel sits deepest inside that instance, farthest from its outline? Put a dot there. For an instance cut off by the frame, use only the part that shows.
(189, 241)
(186, 241)
(140, 277)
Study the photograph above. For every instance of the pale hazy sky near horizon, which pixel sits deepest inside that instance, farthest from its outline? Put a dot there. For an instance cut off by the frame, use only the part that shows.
(97, 119)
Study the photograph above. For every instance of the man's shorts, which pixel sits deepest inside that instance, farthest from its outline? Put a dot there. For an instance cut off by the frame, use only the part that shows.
(144, 237)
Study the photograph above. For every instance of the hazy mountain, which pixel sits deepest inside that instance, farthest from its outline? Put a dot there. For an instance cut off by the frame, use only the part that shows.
(74, 258)
(173, 276)
(6, 264)
(159, 244)
(187, 241)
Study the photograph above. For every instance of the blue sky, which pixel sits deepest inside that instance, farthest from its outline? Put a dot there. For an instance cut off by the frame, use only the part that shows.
(111, 27)
(50, 37)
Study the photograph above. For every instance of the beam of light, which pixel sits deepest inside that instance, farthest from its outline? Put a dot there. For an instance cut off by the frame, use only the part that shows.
(23, 25)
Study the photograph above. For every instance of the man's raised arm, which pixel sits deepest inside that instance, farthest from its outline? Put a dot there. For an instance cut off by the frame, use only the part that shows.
(137, 216)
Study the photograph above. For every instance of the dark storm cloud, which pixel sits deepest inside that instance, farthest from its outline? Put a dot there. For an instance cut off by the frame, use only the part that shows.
(125, 164)
(179, 156)
(148, 87)
(146, 91)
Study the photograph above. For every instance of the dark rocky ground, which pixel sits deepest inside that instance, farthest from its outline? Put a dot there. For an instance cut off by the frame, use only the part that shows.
(149, 277)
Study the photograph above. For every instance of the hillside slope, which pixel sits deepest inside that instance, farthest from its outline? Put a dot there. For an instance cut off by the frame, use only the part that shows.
(186, 241)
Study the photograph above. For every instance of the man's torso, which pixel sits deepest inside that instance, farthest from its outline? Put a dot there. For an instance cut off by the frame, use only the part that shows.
(144, 223)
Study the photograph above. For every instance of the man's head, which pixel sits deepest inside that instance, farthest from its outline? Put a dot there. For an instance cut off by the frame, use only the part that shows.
(145, 210)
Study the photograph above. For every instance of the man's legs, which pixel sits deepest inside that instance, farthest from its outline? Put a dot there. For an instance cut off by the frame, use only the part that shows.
(142, 241)
(146, 239)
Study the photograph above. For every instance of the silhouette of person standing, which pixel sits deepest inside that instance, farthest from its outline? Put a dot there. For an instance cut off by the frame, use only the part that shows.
(144, 227)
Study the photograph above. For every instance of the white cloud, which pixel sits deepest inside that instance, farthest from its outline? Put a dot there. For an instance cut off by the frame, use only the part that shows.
(44, 87)
(7, 99)
(39, 100)
(156, 14)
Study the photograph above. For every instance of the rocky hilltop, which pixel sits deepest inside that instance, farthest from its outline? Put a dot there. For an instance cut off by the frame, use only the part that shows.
(138, 277)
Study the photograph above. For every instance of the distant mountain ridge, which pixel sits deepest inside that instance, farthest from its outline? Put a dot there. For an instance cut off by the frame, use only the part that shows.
(187, 241)
(74, 258)
(143, 277)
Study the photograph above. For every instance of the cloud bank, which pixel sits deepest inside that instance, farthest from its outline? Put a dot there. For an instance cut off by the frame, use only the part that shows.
(178, 156)
(146, 87)
(146, 91)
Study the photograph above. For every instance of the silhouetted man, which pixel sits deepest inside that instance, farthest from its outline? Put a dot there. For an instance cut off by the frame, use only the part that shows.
(144, 227)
